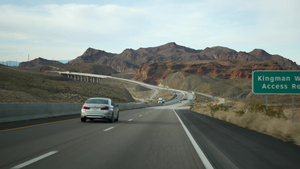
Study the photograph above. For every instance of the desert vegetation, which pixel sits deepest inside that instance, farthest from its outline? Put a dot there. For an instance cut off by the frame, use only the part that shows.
(23, 86)
(276, 121)
(244, 108)
(31, 86)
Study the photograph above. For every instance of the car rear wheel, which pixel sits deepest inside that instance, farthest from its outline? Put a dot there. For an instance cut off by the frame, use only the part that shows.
(83, 119)
(112, 119)
(117, 119)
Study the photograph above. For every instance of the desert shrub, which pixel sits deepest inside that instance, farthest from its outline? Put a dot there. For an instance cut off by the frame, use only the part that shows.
(240, 112)
(257, 108)
(273, 111)
(271, 123)
(246, 120)
(228, 116)
(292, 133)
(192, 106)
(256, 119)
(219, 107)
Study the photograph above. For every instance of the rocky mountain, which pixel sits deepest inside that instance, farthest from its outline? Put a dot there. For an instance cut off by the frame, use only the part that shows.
(93, 56)
(103, 58)
(44, 65)
(91, 68)
(155, 73)
(39, 62)
(130, 58)
(153, 64)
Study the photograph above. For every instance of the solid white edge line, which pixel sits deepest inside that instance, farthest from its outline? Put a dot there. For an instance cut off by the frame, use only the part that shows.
(34, 160)
(108, 129)
(200, 153)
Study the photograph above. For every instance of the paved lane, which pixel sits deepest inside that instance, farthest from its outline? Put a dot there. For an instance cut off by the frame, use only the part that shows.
(229, 146)
(143, 138)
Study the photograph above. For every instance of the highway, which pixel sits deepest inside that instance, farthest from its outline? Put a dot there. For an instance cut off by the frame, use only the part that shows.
(144, 138)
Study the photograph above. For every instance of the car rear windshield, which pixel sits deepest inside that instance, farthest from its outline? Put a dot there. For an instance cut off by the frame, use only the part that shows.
(97, 101)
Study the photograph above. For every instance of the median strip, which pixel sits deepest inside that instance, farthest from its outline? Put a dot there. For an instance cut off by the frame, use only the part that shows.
(35, 125)
(34, 160)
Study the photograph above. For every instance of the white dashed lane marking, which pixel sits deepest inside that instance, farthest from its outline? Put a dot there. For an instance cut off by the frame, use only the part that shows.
(108, 129)
(34, 160)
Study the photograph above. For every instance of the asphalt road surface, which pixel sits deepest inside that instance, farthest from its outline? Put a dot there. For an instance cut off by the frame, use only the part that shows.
(229, 146)
(143, 138)
(151, 138)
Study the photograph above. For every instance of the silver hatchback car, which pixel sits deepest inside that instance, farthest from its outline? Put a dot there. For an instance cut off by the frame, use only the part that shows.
(99, 108)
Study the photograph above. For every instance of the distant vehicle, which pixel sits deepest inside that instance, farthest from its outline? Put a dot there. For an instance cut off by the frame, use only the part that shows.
(161, 100)
(100, 108)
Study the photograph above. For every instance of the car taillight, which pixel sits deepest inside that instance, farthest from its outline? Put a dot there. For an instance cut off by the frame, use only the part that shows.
(104, 108)
(84, 107)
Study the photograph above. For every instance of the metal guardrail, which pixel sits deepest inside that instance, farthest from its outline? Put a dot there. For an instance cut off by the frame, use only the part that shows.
(10, 112)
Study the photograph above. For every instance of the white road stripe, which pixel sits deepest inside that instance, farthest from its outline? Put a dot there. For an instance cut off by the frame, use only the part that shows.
(130, 119)
(141, 115)
(200, 153)
(34, 160)
(108, 129)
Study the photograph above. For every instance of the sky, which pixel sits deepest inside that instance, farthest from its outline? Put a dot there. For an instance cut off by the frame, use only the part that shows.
(64, 29)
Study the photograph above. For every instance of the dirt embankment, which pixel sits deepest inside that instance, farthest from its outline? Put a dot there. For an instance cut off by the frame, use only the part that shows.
(23, 86)
(276, 121)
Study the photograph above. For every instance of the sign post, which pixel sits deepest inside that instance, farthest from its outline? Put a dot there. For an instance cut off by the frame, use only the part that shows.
(266, 103)
(276, 82)
(293, 109)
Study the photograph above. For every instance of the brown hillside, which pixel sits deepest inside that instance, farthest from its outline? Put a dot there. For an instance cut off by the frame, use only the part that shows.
(154, 73)
(103, 58)
(23, 86)
(39, 62)
(44, 65)
(133, 59)
(92, 56)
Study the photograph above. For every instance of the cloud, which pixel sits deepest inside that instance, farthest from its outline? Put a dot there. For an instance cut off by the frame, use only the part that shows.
(65, 21)
(238, 24)
(204, 19)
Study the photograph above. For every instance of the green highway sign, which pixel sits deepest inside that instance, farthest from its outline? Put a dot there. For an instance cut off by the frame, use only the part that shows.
(276, 82)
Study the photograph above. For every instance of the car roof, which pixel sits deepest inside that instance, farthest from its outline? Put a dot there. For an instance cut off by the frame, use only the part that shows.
(99, 98)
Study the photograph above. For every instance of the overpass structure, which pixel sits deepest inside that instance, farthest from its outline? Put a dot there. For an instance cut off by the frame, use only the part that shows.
(86, 77)
(82, 77)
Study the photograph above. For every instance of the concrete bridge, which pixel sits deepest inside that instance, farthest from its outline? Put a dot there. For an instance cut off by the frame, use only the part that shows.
(83, 77)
